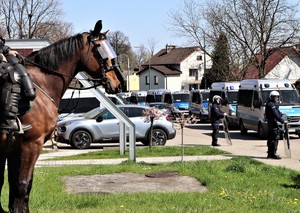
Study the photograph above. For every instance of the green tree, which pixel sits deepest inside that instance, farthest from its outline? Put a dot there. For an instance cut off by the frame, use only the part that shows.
(220, 70)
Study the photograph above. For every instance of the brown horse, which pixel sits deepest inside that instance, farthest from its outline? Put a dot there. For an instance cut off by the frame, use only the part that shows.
(52, 70)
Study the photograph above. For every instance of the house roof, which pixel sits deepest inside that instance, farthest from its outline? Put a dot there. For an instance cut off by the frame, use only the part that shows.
(272, 61)
(171, 55)
(162, 69)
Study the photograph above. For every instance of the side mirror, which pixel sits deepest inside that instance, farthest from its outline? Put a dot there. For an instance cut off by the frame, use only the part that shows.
(99, 119)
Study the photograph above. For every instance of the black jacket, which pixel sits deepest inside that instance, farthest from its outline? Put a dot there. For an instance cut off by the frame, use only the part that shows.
(215, 113)
(273, 115)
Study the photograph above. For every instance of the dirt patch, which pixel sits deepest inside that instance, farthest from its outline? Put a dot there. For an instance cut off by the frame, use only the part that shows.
(132, 182)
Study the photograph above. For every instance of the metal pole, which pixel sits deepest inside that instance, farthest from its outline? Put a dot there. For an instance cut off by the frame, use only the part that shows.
(204, 63)
(128, 67)
(149, 73)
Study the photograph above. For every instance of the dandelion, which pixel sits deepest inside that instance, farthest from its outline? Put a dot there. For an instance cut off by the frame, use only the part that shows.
(122, 206)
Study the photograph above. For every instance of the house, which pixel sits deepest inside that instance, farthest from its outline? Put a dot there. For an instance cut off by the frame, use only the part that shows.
(283, 63)
(174, 68)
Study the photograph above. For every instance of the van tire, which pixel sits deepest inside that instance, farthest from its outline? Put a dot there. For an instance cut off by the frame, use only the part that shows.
(243, 128)
(260, 131)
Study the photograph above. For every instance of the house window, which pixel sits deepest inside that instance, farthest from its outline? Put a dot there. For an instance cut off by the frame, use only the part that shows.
(155, 80)
(147, 80)
(193, 73)
(199, 58)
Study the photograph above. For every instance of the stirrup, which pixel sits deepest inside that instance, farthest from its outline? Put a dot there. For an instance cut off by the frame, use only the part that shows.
(23, 128)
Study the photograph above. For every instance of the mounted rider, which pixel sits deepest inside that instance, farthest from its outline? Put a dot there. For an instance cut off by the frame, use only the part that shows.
(15, 83)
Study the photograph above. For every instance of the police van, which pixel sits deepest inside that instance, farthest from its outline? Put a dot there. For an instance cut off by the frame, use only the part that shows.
(154, 95)
(138, 97)
(229, 93)
(199, 103)
(252, 97)
(179, 99)
(77, 102)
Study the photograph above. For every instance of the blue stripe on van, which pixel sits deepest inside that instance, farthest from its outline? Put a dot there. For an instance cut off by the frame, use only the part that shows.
(290, 111)
(182, 105)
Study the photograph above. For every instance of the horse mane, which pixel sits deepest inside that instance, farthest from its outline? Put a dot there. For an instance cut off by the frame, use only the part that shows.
(51, 56)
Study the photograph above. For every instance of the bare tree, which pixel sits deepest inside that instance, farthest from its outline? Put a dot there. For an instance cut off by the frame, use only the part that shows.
(189, 22)
(152, 42)
(122, 47)
(34, 19)
(142, 54)
(256, 28)
(119, 42)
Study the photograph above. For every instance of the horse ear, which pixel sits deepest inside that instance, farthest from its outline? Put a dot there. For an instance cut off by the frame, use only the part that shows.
(98, 28)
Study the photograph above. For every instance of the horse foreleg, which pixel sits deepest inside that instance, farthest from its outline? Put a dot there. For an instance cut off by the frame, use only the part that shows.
(20, 174)
(2, 170)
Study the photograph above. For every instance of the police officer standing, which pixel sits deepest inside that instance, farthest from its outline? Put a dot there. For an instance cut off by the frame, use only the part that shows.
(215, 115)
(273, 116)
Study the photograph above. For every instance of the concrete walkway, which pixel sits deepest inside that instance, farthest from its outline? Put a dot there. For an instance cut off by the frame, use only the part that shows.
(194, 135)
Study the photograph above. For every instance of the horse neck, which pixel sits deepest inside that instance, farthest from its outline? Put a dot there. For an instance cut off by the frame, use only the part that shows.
(55, 84)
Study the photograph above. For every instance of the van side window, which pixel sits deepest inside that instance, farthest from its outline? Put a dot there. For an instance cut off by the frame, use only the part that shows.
(76, 105)
(256, 101)
(245, 98)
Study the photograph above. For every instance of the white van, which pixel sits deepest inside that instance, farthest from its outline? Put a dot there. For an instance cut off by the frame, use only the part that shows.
(199, 103)
(252, 97)
(138, 97)
(76, 102)
(154, 95)
(229, 93)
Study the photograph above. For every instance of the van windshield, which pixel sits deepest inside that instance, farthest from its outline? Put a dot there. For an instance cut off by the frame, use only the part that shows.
(181, 97)
(232, 97)
(205, 96)
(287, 97)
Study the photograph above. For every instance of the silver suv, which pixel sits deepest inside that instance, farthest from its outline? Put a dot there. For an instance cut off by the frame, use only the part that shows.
(100, 126)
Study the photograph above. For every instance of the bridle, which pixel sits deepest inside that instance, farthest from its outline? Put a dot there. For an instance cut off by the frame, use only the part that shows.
(103, 54)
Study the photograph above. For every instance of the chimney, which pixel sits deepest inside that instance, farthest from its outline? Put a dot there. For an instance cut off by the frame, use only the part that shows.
(170, 47)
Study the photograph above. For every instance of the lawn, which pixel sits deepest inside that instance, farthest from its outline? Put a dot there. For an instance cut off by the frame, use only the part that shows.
(156, 151)
(240, 184)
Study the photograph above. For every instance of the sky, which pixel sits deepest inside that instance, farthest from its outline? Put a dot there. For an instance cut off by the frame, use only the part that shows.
(140, 20)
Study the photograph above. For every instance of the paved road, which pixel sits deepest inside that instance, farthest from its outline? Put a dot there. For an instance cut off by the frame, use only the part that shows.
(199, 134)
(243, 145)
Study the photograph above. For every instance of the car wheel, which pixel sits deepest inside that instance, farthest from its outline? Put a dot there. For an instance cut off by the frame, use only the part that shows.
(243, 128)
(81, 139)
(159, 137)
(261, 132)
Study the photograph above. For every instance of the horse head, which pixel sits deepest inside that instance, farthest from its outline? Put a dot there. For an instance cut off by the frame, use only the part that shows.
(100, 60)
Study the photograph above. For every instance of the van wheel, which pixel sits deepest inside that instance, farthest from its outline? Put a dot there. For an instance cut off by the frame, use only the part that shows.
(243, 128)
(81, 139)
(261, 132)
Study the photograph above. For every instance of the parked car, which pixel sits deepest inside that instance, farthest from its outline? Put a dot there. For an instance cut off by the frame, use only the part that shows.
(170, 110)
(100, 126)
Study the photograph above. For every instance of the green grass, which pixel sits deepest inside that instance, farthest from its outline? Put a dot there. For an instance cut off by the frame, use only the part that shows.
(156, 151)
(240, 184)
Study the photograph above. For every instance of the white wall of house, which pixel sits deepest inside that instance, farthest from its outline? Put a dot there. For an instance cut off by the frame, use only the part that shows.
(191, 62)
(287, 68)
(173, 83)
